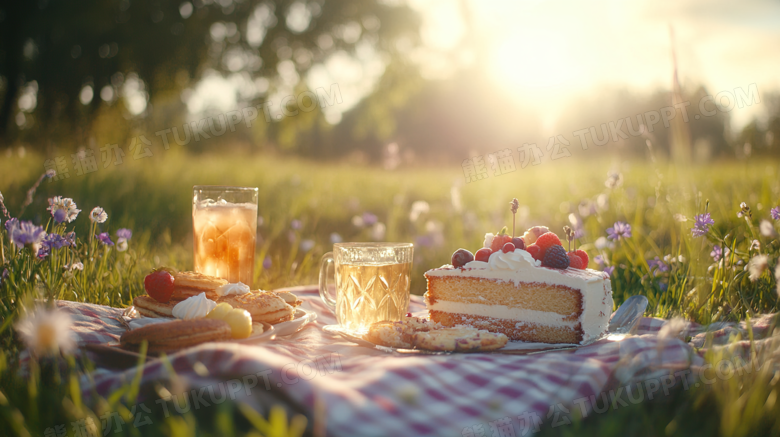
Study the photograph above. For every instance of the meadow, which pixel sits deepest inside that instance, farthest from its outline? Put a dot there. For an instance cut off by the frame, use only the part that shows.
(305, 206)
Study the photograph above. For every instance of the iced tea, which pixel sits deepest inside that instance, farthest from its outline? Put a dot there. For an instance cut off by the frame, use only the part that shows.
(224, 237)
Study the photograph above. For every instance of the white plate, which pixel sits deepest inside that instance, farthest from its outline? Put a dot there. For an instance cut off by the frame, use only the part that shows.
(300, 319)
(269, 333)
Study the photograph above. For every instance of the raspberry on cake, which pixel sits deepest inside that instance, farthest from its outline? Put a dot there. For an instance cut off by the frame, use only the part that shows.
(514, 294)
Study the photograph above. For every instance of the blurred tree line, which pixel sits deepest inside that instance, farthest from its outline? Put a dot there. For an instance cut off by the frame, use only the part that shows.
(86, 73)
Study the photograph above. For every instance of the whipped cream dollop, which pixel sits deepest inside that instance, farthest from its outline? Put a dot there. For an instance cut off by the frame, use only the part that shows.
(194, 307)
(514, 261)
(237, 288)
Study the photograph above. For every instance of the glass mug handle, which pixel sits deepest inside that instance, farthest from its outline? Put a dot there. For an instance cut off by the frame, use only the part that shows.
(329, 301)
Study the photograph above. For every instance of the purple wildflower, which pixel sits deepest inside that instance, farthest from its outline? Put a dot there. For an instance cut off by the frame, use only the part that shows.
(424, 241)
(60, 215)
(718, 252)
(124, 233)
(10, 224)
(775, 212)
(608, 270)
(599, 260)
(702, 223)
(296, 224)
(267, 263)
(663, 286)
(619, 231)
(63, 209)
(369, 219)
(55, 241)
(105, 239)
(26, 233)
(658, 264)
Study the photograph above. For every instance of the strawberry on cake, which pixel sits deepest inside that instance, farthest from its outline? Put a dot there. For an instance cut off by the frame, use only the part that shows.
(528, 288)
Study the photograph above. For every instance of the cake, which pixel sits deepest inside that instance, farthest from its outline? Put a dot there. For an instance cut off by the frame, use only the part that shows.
(535, 292)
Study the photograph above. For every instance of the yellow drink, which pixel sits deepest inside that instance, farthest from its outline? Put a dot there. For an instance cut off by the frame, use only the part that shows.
(224, 240)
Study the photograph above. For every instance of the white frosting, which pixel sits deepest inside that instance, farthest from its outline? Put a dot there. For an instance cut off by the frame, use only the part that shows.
(194, 307)
(237, 288)
(595, 286)
(503, 312)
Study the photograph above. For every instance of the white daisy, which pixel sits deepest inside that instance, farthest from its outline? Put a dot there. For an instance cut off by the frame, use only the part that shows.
(757, 266)
(65, 204)
(97, 215)
(46, 332)
(121, 244)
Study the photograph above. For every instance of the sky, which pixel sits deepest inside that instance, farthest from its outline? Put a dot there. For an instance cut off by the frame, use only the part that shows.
(549, 53)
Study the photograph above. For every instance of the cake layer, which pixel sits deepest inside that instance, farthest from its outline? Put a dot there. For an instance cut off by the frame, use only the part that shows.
(535, 296)
(504, 312)
(515, 330)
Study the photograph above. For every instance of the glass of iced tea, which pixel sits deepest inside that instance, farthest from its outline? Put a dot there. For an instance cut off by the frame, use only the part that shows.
(224, 226)
(372, 283)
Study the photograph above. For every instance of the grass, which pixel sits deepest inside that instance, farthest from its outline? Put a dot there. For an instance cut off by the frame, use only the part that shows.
(152, 197)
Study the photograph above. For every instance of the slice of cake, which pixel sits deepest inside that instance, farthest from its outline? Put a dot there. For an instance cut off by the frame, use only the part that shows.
(542, 294)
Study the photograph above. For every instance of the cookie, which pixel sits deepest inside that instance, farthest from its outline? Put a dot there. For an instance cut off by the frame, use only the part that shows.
(175, 335)
(459, 339)
(393, 334)
(289, 298)
(263, 306)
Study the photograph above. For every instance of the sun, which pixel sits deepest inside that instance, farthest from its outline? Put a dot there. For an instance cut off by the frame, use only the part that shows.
(529, 59)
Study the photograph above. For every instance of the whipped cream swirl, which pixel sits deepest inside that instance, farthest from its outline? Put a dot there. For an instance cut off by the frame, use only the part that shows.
(194, 307)
(237, 288)
(514, 261)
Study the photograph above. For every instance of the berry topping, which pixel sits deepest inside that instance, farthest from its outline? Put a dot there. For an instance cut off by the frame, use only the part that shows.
(508, 247)
(408, 314)
(556, 258)
(461, 257)
(532, 234)
(518, 242)
(584, 257)
(483, 254)
(159, 285)
(575, 261)
(500, 240)
(546, 241)
(535, 251)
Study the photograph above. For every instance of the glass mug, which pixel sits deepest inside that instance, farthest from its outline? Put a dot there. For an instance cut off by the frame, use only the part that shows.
(372, 283)
(224, 227)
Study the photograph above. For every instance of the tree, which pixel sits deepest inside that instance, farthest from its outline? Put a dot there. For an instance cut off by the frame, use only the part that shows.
(66, 52)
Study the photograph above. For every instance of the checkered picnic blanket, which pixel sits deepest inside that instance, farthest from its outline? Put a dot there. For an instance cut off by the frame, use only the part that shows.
(349, 390)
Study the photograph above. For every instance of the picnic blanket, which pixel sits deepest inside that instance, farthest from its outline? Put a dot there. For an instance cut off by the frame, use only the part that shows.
(349, 390)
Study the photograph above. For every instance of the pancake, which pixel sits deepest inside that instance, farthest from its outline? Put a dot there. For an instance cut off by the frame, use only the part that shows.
(288, 297)
(177, 334)
(263, 306)
(148, 307)
(188, 284)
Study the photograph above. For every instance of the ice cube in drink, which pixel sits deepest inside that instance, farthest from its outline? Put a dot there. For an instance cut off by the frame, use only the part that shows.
(224, 238)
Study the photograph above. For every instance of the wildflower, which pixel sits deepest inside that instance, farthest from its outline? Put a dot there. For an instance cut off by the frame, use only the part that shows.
(423, 241)
(3, 276)
(702, 223)
(335, 238)
(74, 266)
(2, 206)
(757, 266)
(307, 245)
(124, 233)
(775, 212)
(602, 243)
(744, 211)
(63, 209)
(680, 218)
(619, 231)
(755, 245)
(27, 234)
(296, 224)
(267, 263)
(609, 270)
(9, 225)
(121, 244)
(369, 219)
(98, 215)
(55, 241)
(357, 221)
(614, 180)
(419, 208)
(46, 332)
(717, 253)
(767, 229)
(105, 238)
(599, 260)
(658, 264)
